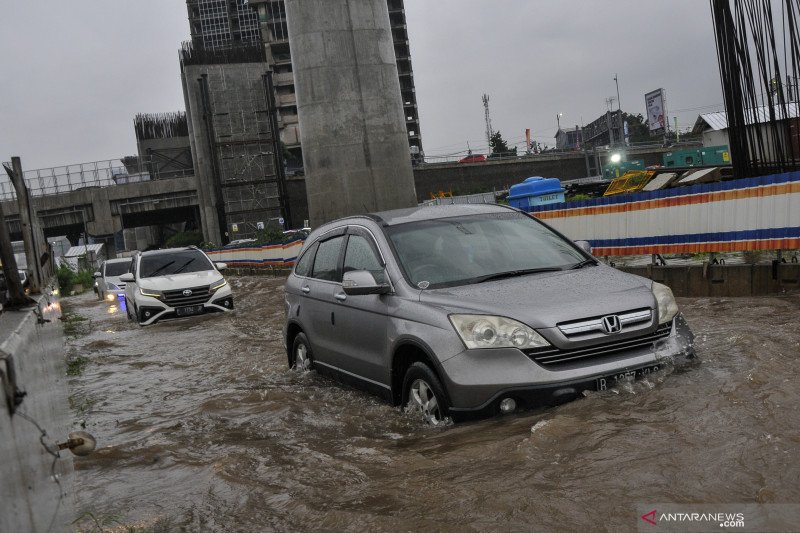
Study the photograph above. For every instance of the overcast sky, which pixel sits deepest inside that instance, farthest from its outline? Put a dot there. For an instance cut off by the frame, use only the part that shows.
(73, 74)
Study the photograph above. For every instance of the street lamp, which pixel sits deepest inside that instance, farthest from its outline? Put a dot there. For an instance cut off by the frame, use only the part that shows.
(616, 158)
(558, 120)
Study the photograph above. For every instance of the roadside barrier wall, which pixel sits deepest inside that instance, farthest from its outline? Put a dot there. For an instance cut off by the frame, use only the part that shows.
(760, 213)
(35, 478)
(270, 255)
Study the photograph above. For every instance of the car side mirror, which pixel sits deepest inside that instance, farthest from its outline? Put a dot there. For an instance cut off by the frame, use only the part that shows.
(97, 275)
(360, 282)
(221, 266)
(585, 246)
(127, 278)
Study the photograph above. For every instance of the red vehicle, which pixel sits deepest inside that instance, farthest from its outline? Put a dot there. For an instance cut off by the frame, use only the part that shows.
(477, 158)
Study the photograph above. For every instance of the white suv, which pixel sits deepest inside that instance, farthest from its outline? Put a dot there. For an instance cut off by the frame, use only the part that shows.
(173, 283)
(109, 286)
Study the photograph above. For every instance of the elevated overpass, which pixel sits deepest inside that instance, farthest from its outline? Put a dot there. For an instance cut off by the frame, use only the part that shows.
(102, 199)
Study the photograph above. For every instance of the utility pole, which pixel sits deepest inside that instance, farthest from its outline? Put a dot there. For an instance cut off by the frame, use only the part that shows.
(619, 104)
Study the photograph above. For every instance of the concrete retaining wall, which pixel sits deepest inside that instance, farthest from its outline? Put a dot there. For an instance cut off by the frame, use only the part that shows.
(724, 280)
(31, 350)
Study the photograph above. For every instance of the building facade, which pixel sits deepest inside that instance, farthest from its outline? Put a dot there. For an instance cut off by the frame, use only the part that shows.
(217, 24)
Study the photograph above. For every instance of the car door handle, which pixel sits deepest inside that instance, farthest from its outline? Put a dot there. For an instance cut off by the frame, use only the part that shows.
(306, 289)
(340, 296)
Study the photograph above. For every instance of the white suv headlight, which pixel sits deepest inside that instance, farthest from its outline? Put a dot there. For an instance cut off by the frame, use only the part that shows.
(667, 307)
(486, 331)
(150, 292)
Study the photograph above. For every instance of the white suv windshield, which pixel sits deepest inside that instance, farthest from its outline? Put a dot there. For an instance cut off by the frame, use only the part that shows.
(118, 268)
(173, 263)
(469, 249)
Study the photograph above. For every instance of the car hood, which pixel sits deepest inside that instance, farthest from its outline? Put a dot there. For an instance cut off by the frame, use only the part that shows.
(114, 279)
(549, 298)
(181, 281)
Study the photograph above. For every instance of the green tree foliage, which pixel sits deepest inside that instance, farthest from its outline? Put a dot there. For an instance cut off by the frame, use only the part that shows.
(185, 238)
(499, 146)
(637, 128)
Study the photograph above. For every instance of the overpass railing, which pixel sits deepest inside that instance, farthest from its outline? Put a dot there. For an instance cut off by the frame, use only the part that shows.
(97, 174)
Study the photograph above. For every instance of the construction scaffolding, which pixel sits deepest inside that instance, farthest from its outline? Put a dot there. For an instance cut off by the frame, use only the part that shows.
(232, 124)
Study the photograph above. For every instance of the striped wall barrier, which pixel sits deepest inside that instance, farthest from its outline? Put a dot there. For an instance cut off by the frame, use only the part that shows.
(272, 255)
(760, 213)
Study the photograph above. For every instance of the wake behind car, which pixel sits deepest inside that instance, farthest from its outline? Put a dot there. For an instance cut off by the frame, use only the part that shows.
(464, 310)
(175, 282)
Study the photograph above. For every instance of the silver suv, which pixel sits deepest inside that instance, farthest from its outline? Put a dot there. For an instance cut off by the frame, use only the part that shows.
(460, 311)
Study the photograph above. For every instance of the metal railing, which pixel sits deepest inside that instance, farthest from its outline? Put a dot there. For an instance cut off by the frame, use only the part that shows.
(97, 174)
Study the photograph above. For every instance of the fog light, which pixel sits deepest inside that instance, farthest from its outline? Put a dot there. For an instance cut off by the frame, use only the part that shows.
(227, 303)
(110, 297)
(147, 314)
(508, 405)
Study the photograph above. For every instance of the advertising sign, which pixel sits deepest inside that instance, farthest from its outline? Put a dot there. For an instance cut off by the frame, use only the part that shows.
(656, 112)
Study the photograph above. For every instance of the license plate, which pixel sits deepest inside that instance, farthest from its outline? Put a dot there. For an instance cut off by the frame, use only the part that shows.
(606, 382)
(190, 310)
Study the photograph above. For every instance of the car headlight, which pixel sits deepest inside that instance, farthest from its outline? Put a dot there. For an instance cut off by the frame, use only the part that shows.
(111, 287)
(486, 331)
(667, 307)
(218, 285)
(150, 292)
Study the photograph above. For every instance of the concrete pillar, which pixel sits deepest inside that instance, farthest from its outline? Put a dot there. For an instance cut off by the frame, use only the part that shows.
(352, 126)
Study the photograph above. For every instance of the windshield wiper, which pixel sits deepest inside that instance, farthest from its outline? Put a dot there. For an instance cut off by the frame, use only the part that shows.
(159, 269)
(180, 268)
(587, 262)
(514, 273)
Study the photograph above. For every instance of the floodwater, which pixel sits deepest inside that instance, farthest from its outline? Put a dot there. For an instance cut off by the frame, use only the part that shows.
(201, 427)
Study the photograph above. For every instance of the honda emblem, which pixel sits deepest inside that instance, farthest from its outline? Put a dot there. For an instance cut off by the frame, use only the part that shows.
(611, 324)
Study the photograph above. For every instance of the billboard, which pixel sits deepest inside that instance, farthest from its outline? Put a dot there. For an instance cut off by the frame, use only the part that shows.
(655, 103)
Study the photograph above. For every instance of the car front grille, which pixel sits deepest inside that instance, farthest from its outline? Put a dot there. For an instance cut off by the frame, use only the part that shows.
(177, 298)
(554, 357)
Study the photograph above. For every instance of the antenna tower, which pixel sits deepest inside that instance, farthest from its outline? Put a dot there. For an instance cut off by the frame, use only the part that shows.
(489, 131)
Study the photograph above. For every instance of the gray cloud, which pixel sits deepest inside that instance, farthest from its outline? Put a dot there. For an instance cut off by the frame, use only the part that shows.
(75, 73)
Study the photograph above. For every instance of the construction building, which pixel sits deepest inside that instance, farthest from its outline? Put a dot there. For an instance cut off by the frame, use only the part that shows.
(220, 24)
(234, 150)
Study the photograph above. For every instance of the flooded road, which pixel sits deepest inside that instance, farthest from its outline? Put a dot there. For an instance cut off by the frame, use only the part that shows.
(201, 426)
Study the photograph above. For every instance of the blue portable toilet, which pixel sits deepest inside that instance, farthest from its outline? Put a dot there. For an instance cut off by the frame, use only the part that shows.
(534, 192)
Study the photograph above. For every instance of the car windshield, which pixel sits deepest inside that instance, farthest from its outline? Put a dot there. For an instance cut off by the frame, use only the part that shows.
(475, 248)
(118, 268)
(173, 263)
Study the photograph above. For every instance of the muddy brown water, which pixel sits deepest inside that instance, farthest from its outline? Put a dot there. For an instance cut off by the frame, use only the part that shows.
(201, 427)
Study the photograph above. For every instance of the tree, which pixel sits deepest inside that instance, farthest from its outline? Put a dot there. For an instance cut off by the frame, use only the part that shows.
(638, 130)
(499, 146)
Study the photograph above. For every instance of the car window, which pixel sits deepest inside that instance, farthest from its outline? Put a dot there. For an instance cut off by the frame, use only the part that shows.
(462, 250)
(165, 264)
(117, 268)
(360, 256)
(303, 267)
(326, 261)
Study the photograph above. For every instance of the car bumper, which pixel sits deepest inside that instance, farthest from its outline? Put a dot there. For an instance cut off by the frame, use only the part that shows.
(151, 310)
(113, 295)
(478, 380)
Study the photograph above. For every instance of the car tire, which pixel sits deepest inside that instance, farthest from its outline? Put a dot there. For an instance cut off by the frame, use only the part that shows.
(128, 310)
(302, 357)
(423, 393)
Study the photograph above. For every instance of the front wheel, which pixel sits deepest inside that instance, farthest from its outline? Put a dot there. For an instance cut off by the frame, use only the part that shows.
(423, 393)
(302, 358)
